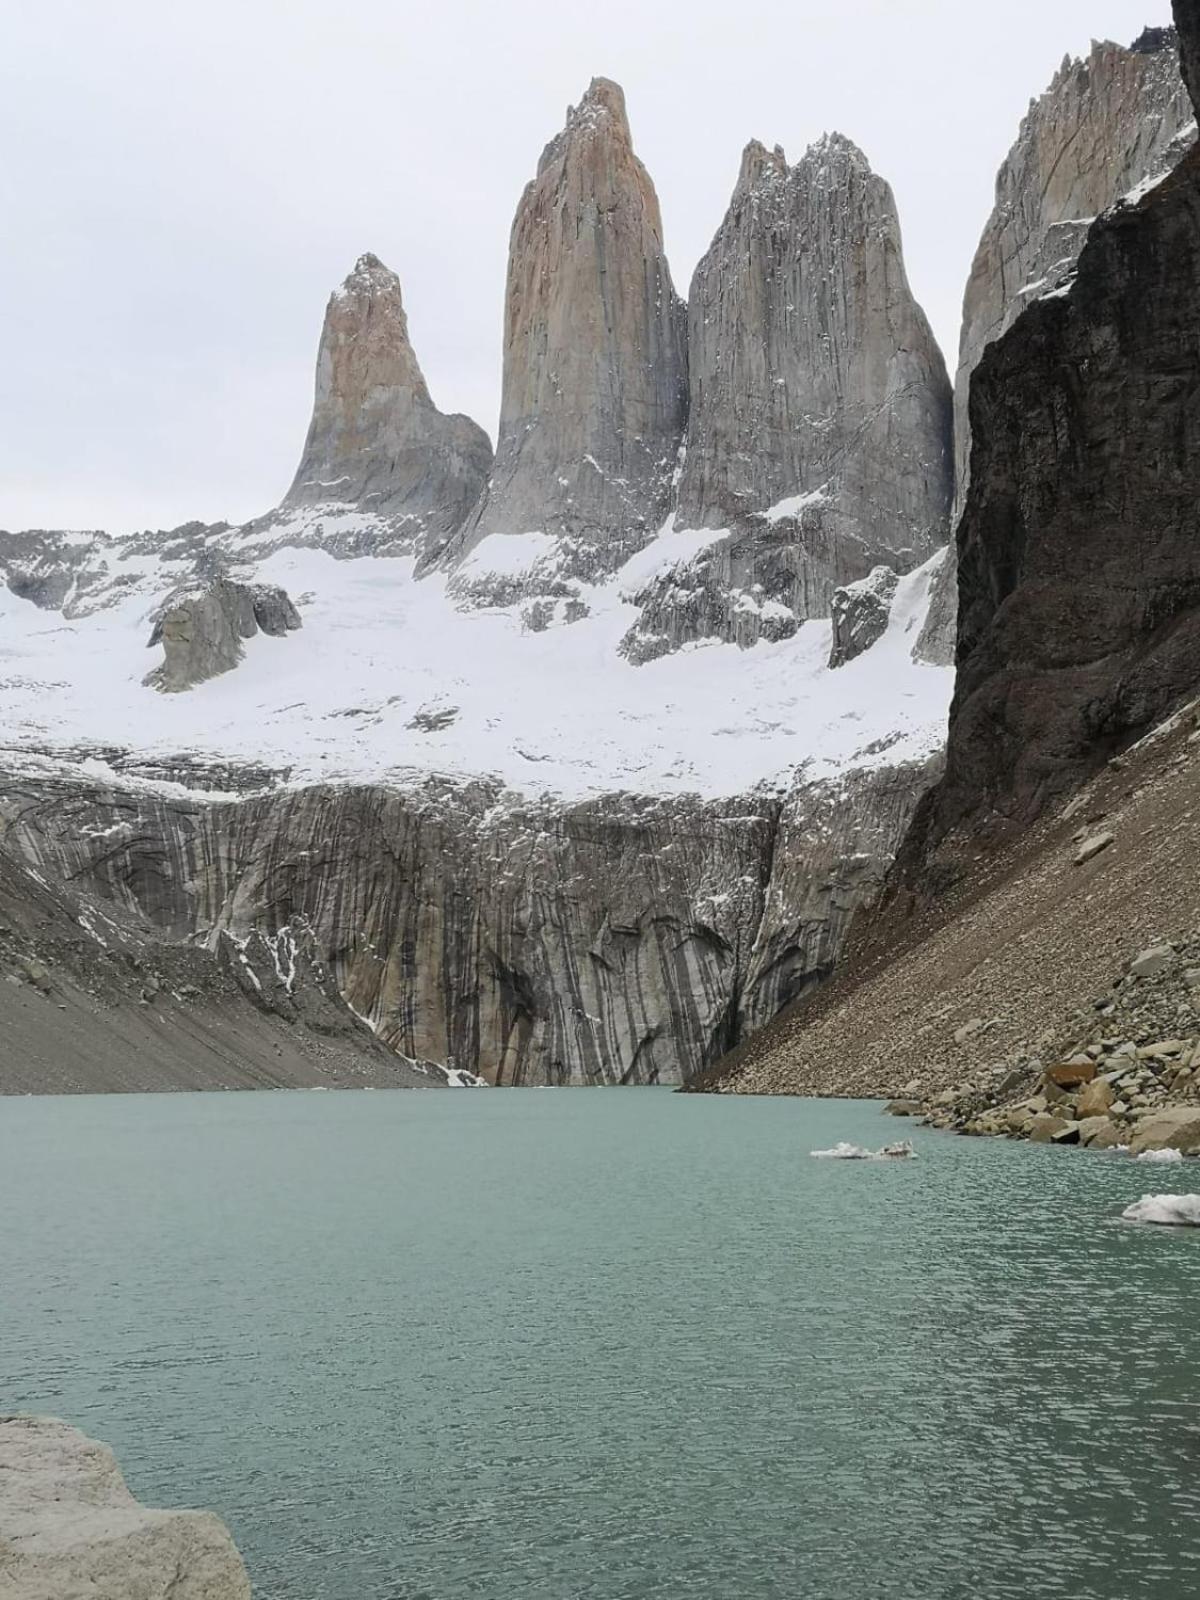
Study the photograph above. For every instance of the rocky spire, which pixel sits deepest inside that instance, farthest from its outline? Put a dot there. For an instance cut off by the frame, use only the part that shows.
(819, 425)
(595, 363)
(1105, 124)
(376, 440)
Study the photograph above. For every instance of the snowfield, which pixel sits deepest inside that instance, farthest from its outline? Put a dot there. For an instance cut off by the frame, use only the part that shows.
(389, 680)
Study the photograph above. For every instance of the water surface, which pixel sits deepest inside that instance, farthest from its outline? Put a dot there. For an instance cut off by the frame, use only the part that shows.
(610, 1345)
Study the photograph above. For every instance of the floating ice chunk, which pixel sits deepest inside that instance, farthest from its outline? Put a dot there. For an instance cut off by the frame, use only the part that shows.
(1171, 1210)
(842, 1151)
(1160, 1155)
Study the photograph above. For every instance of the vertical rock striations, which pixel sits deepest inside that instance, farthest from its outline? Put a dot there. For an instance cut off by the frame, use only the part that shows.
(377, 441)
(594, 396)
(819, 423)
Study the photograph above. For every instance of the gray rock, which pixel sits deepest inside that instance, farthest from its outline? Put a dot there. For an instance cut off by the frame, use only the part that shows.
(1092, 846)
(594, 395)
(377, 441)
(1172, 1128)
(860, 614)
(1105, 124)
(819, 424)
(1151, 962)
(615, 940)
(201, 629)
(71, 1530)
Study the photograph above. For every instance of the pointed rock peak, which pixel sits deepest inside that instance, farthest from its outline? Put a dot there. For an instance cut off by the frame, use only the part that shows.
(599, 115)
(369, 277)
(834, 148)
(759, 164)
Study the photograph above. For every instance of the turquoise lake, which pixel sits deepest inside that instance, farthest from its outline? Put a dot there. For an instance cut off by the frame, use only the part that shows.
(611, 1345)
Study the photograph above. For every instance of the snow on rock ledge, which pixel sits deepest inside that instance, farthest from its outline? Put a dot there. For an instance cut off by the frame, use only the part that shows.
(71, 1530)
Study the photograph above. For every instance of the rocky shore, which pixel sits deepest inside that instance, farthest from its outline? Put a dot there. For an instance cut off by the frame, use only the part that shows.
(1131, 1080)
(71, 1530)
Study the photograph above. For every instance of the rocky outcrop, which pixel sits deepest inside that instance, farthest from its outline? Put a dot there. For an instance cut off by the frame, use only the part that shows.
(1079, 608)
(376, 441)
(594, 395)
(617, 940)
(93, 997)
(201, 629)
(1064, 825)
(860, 614)
(819, 423)
(71, 1530)
(1105, 125)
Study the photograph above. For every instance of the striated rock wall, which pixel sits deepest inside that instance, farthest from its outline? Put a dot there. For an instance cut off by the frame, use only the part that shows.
(617, 940)
(819, 422)
(376, 441)
(594, 396)
(71, 1530)
(1062, 835)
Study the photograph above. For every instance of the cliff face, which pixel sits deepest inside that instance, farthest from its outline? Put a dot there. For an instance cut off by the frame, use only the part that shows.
(376, 441)
(594, 395)
(1078, 636)
(819, 422)
(1105, 125)
(617, 940)
(1079, 625)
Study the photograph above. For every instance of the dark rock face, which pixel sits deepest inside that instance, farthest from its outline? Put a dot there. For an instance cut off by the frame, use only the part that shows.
(93, 996)
(1187, 18)
(1079, 621)
(594, 395)
(201, 630)
(620, 940)
(819, 425)
(860, 614)
(377, 441)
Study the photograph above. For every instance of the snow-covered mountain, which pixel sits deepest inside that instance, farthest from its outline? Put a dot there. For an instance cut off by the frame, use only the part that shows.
(565, 774)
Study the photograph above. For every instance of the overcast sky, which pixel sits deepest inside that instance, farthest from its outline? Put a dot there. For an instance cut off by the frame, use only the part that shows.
(183, 184)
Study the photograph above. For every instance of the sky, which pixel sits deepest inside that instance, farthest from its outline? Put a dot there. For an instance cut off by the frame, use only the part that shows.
(184, 184)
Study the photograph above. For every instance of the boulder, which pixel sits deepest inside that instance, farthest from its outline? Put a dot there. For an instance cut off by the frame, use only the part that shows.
(1172, 1128)
(904, 1108)
(1046, 1127)
(1070, 1074)
(1095, 1099)
(1099, 1133)
(1151, 962)
(1092, 846)
(71, 1530)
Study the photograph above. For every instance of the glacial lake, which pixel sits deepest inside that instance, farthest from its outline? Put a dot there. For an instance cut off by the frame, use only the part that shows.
(611, 1345)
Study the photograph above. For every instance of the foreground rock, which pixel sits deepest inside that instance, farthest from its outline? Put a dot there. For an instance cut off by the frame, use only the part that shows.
(594, 395)
(376, 441)
(71, 1530)
(819, 425)
(203, 628)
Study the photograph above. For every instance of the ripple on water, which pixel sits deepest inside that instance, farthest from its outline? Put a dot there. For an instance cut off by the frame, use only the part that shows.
(610, 1346)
